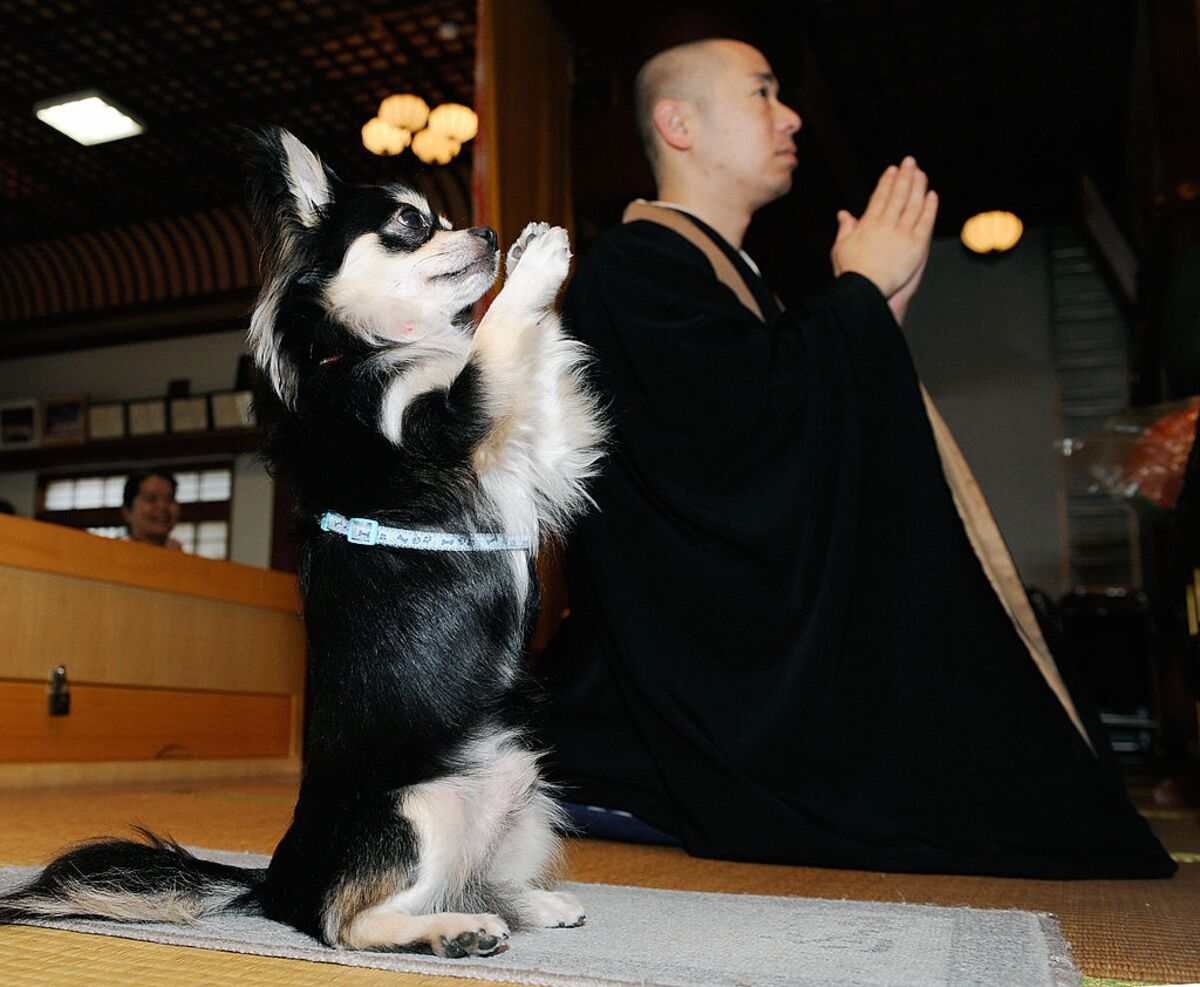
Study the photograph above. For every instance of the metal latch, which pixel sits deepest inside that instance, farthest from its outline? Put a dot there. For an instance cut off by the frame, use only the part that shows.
(60, 692)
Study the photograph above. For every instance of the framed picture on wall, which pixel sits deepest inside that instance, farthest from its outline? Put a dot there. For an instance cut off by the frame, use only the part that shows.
(190, 413)
(147, 416)
(106, 420)
(64, 420)
(20, 424)
(232, 409)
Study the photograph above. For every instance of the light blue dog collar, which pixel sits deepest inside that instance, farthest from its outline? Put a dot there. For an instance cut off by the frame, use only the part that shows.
(365, 531)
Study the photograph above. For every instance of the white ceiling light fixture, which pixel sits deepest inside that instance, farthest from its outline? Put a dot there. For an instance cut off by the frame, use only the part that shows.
(88, 118)
(404, 110)
(434, 148)
(453, 120)
(405, 120)
(992, 232)
(380, 137)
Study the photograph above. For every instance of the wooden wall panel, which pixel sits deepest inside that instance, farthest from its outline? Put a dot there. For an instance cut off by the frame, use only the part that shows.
(46, 547)
(111, 723)
(121, 635)
(192, 255)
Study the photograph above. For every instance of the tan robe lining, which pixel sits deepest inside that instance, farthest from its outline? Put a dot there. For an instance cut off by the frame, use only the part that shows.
(722, 266)
(972, 507)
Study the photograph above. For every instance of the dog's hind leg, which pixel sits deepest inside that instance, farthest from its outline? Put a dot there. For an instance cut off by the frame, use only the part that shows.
(415, 899)
(451, 934)
(523, 862)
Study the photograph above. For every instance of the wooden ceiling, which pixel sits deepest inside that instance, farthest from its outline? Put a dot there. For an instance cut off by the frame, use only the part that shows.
(194, 72)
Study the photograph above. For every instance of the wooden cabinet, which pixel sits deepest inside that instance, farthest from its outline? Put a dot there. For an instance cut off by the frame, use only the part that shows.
(179, 667)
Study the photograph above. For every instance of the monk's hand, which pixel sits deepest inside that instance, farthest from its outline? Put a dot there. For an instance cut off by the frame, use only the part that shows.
(889, 243)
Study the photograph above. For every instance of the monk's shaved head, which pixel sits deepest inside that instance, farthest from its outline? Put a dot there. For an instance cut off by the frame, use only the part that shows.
(714, 129)
(683, 72)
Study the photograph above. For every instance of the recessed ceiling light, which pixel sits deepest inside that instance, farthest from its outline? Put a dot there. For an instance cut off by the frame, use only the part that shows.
(88, 118)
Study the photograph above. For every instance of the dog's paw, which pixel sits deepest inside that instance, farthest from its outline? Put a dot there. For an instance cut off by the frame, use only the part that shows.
(553, 909)
(537, 265)
(517, 250)
(468, 935)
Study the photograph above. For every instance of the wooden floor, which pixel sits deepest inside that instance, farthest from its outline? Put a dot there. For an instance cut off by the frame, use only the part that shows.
(1120, 931)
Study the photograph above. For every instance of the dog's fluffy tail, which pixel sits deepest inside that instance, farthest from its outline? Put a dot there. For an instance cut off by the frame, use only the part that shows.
(156, 880)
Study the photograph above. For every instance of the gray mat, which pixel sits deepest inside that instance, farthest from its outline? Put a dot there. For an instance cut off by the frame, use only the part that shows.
(691, 939)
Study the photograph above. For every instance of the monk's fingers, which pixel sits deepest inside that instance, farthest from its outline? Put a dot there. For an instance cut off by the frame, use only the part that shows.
(901, 190)
(877, 204)
(910, 210)
(927, 216)
(846, 223)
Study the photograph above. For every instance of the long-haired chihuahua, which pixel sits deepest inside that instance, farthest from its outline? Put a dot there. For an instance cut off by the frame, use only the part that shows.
(426, 457)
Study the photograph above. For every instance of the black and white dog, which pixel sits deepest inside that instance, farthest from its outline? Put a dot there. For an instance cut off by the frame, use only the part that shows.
(426, 460)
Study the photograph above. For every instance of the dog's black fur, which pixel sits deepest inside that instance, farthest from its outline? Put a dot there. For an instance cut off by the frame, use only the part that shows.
(420, 795)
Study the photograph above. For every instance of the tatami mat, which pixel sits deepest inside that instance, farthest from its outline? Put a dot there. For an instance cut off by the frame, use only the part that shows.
(1139, 931)
(47, 958)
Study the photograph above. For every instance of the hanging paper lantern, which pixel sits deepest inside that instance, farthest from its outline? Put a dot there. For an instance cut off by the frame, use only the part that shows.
(432, 147)
(380, 137)
(404, 110)
(453, 120)
(992, 232)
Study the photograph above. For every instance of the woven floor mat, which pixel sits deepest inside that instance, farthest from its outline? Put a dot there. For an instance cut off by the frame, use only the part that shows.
(691, 939)
(1142, 931)
(32, 957)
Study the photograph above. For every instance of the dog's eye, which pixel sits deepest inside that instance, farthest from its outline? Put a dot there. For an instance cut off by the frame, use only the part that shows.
(412, 219)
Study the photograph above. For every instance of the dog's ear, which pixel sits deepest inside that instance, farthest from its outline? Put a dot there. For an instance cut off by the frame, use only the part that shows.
(307, 179)
(289, 190)
(288, 185)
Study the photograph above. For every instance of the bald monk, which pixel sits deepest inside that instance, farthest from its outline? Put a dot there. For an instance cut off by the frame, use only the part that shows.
(796, 635)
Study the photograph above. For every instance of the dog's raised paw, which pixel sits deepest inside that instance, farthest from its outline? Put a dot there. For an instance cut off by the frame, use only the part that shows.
(537, 265)
(517, 250)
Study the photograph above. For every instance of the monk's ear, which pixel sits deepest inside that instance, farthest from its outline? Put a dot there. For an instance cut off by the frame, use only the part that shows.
(671, 121)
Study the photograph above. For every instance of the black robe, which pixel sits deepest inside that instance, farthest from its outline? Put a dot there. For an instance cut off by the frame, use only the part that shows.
(782, 646)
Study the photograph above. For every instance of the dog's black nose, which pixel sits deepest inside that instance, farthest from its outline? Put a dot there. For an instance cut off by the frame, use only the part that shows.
(484, 233)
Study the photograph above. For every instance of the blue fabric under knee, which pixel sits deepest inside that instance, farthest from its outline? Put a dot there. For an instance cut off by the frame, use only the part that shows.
(615, 824)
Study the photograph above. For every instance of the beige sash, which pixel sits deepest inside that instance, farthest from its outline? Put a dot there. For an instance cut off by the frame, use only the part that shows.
(972, 507)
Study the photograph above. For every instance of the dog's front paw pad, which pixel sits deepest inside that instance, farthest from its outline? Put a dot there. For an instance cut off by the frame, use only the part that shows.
(555, 910)
(531, 232)
(545, 258)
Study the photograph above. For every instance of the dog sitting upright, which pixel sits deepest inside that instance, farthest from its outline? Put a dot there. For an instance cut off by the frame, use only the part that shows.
(425, 461)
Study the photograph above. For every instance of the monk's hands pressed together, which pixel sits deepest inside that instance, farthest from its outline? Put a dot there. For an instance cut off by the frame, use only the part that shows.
(889, 243)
